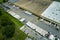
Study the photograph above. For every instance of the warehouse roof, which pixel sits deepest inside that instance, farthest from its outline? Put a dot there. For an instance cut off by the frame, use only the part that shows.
(53, 12)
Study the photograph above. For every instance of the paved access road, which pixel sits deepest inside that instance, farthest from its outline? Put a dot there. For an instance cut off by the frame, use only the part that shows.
(49, 28)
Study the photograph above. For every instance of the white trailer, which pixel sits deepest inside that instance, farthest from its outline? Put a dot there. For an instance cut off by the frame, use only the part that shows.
(27, 12)
(14, 14)
(22, 19)
(38, 29)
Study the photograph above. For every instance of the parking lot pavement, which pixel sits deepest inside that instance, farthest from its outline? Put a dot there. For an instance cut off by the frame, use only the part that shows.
(33, 19)
(32, 33)
(49, 28)
(28, 31)
(23, 15)
(20, 12)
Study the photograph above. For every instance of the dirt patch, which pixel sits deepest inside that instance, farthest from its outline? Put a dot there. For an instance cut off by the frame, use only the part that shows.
(34, 6)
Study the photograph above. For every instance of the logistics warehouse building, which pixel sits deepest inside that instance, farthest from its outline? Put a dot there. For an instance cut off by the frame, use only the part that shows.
(53, 12)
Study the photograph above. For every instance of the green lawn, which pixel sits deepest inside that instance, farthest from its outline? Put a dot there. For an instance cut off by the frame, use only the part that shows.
(1, 37)
(1, 1)
(18, 35)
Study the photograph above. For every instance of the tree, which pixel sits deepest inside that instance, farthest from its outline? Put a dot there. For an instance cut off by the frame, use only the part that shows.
(8, 27)
(5, 0)
(1, 1)
(9, 31)
(0, 12)
(1, 36)
(57, 0)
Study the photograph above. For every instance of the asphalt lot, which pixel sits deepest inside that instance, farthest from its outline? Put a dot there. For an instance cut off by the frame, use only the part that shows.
(48, 27)
(23, 15)
(32, 33)
(32, 18)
